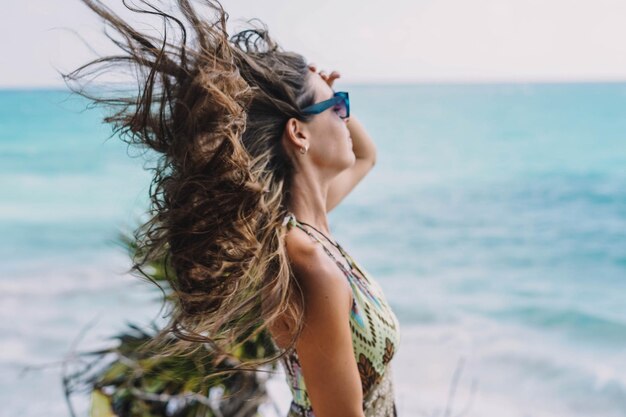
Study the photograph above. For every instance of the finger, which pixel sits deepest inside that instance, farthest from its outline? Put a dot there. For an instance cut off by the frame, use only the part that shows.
(332, 77)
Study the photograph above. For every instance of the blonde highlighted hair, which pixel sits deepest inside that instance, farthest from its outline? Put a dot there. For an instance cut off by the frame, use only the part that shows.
(213, 108)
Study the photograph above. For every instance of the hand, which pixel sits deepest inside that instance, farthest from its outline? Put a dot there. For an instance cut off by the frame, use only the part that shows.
(328, 78)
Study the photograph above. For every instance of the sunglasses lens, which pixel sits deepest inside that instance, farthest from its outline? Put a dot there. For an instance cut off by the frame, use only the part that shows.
(341, 108)
(343, 105)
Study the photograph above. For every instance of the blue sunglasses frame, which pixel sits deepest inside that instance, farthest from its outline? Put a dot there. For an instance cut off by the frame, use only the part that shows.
(339, 96)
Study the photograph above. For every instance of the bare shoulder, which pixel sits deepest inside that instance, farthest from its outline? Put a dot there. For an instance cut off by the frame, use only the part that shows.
(316, 272)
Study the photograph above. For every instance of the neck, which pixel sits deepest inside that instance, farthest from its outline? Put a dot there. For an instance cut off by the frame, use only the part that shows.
(308, 202)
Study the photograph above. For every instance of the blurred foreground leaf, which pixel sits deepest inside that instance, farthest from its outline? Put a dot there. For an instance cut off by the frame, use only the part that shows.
(123, 382)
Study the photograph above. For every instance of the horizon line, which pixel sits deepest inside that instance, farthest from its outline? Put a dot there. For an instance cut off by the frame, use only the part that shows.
(390, 83)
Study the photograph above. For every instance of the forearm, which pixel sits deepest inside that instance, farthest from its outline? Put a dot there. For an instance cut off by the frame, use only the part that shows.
(362, 144)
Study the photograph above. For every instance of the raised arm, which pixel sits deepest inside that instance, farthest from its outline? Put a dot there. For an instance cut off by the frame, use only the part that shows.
(365, 152)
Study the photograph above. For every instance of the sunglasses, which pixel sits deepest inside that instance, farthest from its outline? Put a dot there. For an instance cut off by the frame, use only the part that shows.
(340, 100)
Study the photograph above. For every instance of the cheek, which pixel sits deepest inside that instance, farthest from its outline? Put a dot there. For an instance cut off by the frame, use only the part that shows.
(335, 126)
(331, 134)
(335, 136)
(341, 132)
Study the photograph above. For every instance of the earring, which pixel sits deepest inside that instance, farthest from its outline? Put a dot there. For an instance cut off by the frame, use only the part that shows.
(304, 150)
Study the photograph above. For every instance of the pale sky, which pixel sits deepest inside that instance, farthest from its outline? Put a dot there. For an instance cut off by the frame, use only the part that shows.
(388, 41)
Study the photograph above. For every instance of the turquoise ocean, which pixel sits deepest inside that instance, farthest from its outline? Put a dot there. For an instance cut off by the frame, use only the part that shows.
(494, 220)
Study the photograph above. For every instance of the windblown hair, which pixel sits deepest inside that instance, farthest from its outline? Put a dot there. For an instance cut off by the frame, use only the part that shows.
(213, 108)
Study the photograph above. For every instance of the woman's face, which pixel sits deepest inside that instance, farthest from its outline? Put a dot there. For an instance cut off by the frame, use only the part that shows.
(329, 137)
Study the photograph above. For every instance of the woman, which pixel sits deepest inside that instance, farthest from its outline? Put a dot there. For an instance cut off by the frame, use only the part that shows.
(349, 327)
(254, 149)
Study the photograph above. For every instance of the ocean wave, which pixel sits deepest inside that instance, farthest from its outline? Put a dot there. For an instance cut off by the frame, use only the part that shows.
(575, 322)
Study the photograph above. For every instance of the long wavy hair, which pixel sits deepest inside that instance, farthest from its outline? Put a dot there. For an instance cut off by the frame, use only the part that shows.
(213, 108)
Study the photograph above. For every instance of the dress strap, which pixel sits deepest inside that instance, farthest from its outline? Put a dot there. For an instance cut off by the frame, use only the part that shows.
(289, 220)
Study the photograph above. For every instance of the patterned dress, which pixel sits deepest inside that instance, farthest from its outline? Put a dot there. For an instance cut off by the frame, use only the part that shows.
(375, 339)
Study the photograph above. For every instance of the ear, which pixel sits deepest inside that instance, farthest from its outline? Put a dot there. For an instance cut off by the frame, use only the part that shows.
(295, 133)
